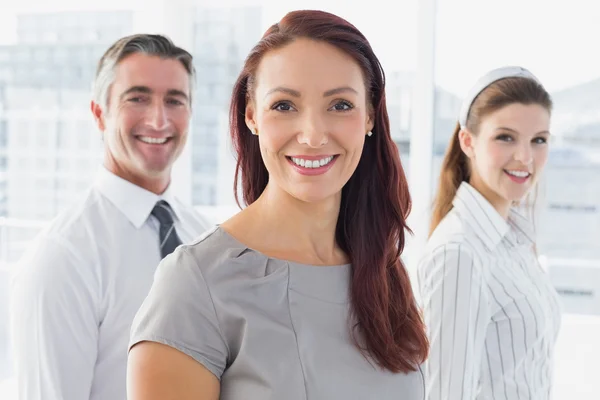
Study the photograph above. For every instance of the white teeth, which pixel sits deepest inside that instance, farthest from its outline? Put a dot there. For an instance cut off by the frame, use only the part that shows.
(152, 140)
(312, 163)
(519, 174)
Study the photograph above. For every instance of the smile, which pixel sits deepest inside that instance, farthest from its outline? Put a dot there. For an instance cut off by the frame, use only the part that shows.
(311, 163)
(153, 140)
(518, 174)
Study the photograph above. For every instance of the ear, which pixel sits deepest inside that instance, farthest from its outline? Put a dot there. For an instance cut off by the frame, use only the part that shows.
(467, 142)
(370, 122)
(98, 113)
(250, 116)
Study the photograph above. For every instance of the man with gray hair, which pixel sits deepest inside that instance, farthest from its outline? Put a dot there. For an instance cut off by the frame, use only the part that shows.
(75, 293)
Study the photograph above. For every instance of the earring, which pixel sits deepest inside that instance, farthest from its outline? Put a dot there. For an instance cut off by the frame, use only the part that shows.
(370, 133)
(254, 131)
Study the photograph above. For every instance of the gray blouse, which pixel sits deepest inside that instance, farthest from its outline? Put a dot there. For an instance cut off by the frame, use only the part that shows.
(267, 328)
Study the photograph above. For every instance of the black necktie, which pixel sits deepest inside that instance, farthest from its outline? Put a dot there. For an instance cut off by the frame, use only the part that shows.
(167, 235)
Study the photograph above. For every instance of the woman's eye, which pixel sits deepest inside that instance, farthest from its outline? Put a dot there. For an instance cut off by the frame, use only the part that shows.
(283, 106)
(505, 138)
(343, 106)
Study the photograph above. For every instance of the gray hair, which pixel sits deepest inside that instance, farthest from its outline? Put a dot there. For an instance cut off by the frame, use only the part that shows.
(152, 45)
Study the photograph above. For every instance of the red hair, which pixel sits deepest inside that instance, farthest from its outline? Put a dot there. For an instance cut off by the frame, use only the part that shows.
(375, 201)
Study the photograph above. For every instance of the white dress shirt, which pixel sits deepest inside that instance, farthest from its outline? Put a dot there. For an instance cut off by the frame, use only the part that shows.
(76, 292)
(491, 312)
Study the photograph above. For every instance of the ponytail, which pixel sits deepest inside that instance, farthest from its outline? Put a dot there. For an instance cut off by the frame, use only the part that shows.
(455, 170)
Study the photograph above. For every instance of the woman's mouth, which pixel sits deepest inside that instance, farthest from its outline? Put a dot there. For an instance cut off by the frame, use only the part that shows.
(517, 176)
(312, 165)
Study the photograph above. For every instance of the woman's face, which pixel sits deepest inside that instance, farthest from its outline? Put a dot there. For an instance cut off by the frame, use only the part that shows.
(509, 153)
(310, 110)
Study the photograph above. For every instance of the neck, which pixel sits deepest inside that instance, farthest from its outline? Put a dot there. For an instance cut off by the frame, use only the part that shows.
(156, 185)
(307, 228)
(499, 203)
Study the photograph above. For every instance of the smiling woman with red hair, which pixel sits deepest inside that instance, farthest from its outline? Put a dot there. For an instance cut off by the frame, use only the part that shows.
(302, 294)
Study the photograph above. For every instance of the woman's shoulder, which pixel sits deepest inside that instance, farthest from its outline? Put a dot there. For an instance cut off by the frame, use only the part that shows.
(452, 239)
(214, 246)
(218, 258)
(451, 230)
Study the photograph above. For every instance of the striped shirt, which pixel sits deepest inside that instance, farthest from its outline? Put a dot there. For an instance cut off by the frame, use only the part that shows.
(491, 312)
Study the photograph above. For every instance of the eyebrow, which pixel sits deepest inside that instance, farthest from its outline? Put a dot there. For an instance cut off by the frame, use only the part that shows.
(503, 128)
(285, 90)
(339, 90)
(147, 90)
(296, 93)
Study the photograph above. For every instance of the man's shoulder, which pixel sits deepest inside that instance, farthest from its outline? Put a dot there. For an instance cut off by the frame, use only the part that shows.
(88, 208)
(63, 245)
(86, 223)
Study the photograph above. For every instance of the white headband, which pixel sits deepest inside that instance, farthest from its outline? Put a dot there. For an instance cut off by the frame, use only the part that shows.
(487, 80)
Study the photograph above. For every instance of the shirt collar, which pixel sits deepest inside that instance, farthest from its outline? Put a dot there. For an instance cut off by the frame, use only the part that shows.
(489, 225)
(133, 201)
(523, 226)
